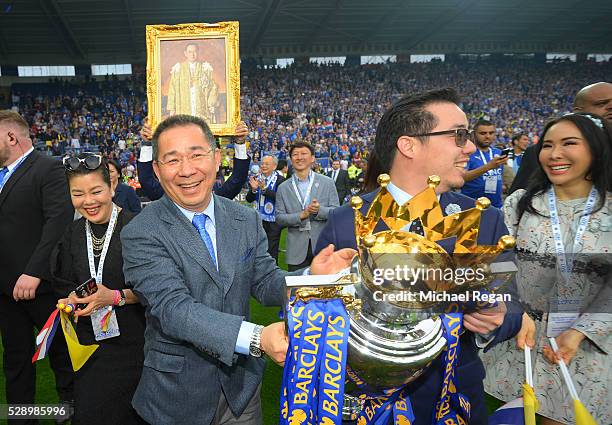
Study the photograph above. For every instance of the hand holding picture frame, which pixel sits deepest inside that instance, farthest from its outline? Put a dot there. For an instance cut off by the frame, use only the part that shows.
(194, 69)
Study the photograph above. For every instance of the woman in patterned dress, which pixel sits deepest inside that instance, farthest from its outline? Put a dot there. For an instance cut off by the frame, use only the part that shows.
(574, 177)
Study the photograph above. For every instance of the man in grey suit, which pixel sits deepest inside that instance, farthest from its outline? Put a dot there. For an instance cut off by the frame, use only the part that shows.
(302, 204)
(194, 259)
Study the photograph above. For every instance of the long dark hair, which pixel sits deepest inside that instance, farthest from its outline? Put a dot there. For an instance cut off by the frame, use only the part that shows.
(599, 140)
(372, 172)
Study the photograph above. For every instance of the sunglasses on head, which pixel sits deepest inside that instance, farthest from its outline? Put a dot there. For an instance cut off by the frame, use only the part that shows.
(91, 162)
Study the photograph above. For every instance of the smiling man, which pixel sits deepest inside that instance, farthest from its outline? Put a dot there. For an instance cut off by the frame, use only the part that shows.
(303, 203)
(419, 136)
(195, 259)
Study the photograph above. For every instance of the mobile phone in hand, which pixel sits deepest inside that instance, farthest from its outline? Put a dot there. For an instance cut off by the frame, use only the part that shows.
(506, 152)
(85, 289)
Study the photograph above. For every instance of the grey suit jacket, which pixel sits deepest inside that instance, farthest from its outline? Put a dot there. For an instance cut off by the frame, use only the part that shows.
(288, 209)
(193, 312)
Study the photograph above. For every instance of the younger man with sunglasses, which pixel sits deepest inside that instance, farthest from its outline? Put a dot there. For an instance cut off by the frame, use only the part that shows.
(485, 169)
(419, 136)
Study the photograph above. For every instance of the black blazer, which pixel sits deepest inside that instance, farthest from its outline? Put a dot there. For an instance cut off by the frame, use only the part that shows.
(343, 184)
(125, 197)
(230, 188)
(529, 164)
(35, 209)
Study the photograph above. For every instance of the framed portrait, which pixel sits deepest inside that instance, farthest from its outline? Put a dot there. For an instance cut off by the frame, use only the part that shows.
(194, 69)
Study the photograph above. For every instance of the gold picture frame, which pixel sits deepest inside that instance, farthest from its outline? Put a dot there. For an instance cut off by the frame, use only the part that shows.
(194, 69)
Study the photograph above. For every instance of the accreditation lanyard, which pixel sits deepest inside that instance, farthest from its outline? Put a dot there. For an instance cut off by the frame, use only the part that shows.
(304, 201)
(485, 161)
(565, 264)
(107, 239)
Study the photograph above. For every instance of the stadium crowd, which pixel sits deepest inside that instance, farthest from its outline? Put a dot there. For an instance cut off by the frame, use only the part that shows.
(333, 107)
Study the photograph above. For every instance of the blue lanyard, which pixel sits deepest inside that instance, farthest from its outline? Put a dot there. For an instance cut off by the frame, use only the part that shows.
(566, 265)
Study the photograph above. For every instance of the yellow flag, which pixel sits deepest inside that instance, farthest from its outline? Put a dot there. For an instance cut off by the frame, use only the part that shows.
(79, 354)
(583, 417)
(530, 404)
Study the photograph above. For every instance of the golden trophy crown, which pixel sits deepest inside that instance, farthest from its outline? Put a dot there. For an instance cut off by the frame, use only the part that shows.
(398, 246)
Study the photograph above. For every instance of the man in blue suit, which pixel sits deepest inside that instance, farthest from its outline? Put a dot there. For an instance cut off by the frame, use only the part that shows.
(422, 135)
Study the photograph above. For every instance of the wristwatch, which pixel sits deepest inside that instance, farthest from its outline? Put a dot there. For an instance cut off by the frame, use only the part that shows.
(122, 300)
(255, 345)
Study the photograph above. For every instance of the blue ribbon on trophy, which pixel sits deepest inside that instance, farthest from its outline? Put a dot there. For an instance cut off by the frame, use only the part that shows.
(452, 408)
(313, 380)
(380, 410)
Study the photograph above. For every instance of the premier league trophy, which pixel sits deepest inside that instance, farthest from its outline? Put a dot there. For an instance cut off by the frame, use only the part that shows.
(357, 338)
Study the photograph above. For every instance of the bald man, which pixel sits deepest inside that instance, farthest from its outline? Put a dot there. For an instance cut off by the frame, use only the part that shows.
(595, 99)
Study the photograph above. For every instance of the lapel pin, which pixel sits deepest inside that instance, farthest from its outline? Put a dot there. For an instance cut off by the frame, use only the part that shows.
(452, 209)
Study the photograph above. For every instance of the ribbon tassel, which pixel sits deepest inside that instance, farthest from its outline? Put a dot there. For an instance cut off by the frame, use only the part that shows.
(79, 354)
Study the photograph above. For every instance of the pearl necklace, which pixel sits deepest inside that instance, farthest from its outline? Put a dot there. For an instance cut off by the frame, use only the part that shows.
(97, 243)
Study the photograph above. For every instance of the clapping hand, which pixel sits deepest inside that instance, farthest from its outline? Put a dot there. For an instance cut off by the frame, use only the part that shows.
(254, 183)
(313, 207)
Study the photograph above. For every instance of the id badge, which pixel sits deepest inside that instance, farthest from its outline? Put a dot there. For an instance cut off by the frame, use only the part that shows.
(306, 227)
(262, 200)
(490, 184)
(96, 322)
(560, 322)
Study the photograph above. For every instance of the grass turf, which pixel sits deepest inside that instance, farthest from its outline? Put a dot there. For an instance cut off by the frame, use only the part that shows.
(45, 381)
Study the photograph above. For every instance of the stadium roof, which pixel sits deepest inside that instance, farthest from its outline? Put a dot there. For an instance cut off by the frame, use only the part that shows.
(43, 32)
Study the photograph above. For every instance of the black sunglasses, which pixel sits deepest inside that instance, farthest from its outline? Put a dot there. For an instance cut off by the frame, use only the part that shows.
(462, 135)
(91, 162)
